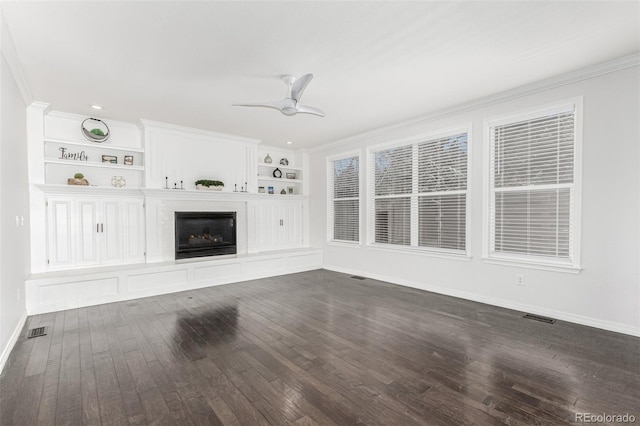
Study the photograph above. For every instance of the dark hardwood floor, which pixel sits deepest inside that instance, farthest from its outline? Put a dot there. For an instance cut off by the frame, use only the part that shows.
(313, 348)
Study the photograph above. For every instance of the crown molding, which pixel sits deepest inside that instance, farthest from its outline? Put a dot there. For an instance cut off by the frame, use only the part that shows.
(10, 55)
(218, 137)
(597, 70)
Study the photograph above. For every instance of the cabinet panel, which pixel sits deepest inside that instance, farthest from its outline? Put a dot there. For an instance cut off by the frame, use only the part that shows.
(111, 232)
(87, 252)
(60, 233)
(133, 231)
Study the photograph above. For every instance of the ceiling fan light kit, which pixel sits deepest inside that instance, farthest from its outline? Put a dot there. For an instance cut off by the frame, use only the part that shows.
(290, 104)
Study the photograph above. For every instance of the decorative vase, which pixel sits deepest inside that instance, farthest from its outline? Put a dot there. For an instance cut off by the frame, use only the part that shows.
(267, 159)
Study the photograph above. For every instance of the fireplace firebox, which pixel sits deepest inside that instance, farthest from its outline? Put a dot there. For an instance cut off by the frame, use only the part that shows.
(200, 234)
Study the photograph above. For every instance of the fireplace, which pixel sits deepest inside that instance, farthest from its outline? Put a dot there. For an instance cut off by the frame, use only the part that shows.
(200, 234)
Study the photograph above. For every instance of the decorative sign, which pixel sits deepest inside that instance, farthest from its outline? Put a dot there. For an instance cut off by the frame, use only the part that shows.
(78, 156)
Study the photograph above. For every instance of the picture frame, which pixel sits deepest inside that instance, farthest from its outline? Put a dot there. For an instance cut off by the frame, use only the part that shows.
(290, 175)
(128, 160)
(110, 159)
(270, 189)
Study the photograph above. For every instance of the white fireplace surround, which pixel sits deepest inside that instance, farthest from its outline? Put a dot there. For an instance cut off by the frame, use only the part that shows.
(161, 206)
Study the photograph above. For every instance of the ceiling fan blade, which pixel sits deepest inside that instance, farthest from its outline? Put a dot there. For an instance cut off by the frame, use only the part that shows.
(299, 85)
(275, 104)
(303, 109)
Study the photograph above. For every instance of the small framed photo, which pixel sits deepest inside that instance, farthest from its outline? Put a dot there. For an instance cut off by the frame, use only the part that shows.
(291, 175)
(128, 160)
(261, 189)
(290, 190)
(270, 190)
(110, 159)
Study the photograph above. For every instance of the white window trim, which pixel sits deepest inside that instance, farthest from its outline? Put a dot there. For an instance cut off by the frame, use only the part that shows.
(370, 198)
(329, 168)
(572, 266)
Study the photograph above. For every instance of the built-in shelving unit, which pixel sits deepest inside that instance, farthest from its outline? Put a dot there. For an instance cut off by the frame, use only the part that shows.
(266, 179)
(66, 154)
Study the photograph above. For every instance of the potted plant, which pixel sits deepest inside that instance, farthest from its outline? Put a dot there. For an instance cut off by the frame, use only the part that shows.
(78, 179)
(211, 185)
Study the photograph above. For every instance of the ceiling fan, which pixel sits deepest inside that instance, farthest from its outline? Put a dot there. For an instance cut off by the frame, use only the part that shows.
(290, 104)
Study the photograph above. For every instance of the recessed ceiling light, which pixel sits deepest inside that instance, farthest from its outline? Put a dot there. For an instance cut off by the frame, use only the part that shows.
(96, 107)
(289, 143)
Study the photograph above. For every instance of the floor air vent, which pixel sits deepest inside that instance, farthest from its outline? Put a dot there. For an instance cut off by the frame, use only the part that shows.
(36, 332)
(357, 277)
(539, 318)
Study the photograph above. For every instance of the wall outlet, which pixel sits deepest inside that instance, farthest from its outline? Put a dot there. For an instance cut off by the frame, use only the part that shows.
(520, 280)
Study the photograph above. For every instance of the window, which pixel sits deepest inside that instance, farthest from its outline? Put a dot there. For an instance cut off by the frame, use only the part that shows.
(419, 194)
(532, 211)
(344, 199)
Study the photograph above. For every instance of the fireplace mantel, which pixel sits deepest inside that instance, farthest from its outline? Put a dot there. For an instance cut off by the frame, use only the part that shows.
(186, 194)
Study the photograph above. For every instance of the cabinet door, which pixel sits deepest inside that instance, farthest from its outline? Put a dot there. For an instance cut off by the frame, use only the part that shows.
(110, 232)
(60, 233)
(291, 225)
(266, 231)
(278, 225)
(87, 233)
(133, 231)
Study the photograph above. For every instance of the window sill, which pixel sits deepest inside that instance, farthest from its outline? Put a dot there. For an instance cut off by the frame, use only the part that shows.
(531, 264)
(421, 252)
(350, 244)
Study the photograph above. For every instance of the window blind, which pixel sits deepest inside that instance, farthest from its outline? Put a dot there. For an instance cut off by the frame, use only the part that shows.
(532, 184)
(344, 186)
(442, 183)
(420, 194)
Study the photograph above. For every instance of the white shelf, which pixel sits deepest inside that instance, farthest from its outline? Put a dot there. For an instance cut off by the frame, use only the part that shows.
(274, 179)
(92, 164)
(60, 189)
(279, 166)
(97, 145)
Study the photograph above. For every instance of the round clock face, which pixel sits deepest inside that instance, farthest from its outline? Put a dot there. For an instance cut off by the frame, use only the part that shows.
(277, 173)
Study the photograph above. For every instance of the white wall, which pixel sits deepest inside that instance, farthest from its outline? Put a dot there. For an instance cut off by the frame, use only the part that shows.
(14, 203)
(606, 293)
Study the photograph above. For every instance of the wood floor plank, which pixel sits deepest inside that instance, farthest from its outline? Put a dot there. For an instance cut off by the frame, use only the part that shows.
(90, 402)
(112, 409)
(315, 348)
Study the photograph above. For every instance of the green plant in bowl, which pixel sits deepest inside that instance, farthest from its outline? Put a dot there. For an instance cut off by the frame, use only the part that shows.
(209, 183)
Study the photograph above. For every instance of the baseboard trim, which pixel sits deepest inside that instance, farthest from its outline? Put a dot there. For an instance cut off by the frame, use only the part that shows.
(12, 341)
(563, 316)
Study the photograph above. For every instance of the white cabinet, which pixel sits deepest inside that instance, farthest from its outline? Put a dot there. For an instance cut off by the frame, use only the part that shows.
(276, 224)
(94, 231)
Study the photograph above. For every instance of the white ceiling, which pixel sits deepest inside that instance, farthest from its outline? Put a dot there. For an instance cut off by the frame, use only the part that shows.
(375, 63)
